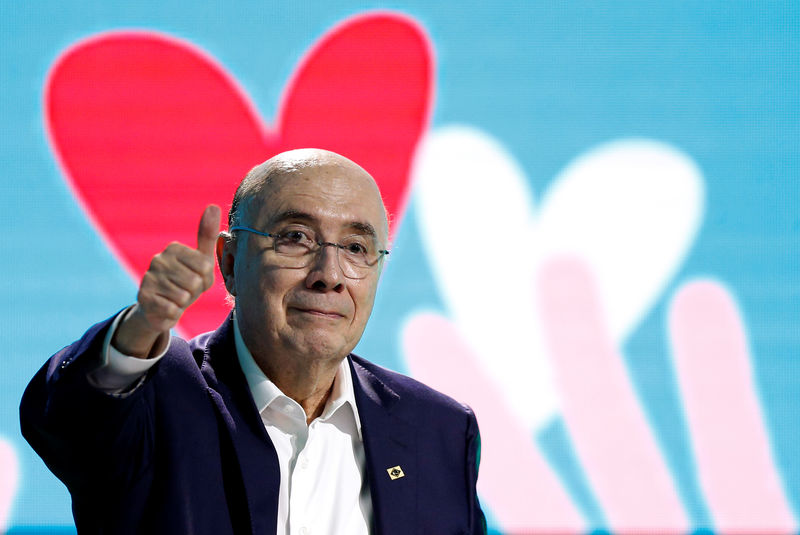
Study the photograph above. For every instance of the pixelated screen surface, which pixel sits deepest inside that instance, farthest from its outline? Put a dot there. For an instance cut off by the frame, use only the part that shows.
(594, 219)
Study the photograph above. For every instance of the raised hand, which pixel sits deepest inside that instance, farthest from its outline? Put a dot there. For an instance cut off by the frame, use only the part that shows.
(177, 276)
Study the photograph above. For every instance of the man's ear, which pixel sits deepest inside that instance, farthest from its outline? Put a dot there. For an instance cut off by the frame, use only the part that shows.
(226, 258)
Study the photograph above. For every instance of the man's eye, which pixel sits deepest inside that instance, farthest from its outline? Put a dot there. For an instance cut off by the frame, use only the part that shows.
(294, 236)
(356, 248)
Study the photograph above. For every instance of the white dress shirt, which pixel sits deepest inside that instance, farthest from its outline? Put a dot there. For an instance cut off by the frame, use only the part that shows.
(323, 487)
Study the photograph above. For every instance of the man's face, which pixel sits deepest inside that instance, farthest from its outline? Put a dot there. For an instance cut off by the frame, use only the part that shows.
(313, 312)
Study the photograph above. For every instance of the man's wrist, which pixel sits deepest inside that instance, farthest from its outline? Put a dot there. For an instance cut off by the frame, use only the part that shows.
(134, 338)
(117, 372)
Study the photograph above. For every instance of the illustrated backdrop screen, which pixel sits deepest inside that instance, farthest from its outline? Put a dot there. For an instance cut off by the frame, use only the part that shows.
(595, 224)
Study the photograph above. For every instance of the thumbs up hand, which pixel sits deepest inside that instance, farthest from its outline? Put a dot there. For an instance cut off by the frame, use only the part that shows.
(175, 279)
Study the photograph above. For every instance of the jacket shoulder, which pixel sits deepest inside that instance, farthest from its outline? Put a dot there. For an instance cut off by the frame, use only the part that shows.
(411, 391)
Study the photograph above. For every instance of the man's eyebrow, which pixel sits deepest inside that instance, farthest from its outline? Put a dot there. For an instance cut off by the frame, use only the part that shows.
(292, 214)
(364, 228)
(296, 215)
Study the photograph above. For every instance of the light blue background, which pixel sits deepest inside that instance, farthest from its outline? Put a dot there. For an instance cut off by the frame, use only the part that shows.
(719, 80)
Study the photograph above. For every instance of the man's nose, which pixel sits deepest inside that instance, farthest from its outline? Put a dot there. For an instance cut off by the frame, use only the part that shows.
(326, 271)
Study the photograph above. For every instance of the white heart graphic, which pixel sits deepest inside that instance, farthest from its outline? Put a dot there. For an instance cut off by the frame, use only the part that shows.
(629, 208)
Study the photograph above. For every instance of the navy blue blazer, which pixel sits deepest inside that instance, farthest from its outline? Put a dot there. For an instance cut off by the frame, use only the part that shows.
(187, 452)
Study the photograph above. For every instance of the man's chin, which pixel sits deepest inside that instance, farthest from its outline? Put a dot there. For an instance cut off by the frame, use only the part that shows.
(322, 345)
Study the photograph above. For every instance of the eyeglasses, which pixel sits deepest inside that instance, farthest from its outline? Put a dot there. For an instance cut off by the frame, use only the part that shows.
(297, 248)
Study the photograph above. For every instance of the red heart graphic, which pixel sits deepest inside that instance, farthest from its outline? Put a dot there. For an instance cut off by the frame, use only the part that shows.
(149, 130)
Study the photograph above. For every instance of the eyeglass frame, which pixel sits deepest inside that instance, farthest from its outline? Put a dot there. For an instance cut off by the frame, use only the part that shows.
(382, 253)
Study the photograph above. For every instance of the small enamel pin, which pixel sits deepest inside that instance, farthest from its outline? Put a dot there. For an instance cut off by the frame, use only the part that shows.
(395, 472)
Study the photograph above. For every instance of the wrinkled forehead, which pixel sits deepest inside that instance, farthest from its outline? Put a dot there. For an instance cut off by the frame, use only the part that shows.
(333, 196)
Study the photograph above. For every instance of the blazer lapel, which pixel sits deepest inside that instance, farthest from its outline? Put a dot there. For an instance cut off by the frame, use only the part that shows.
(389, 442)
(389, 446)
(250, 444)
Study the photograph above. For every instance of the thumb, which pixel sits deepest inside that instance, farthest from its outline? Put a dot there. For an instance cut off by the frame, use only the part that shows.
(208, 229)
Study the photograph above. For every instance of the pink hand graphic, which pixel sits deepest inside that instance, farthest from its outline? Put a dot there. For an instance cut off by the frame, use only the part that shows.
(9, 481)
(515, 480)
(605, 420)
(600, 408)
(730, 441)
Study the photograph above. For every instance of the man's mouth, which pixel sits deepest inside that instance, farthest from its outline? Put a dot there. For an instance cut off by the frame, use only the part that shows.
(320, 312)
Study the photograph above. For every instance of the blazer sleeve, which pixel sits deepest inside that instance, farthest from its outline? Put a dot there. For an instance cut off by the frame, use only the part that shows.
(477, 518)
(89, 439)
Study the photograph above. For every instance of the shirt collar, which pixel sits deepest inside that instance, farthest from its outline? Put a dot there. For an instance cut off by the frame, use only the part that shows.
(264, 391)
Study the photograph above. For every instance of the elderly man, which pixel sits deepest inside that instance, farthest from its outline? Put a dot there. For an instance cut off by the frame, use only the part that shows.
(268, 424)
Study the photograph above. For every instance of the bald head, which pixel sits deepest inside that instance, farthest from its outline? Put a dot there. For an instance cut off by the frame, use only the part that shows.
(300, 164)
